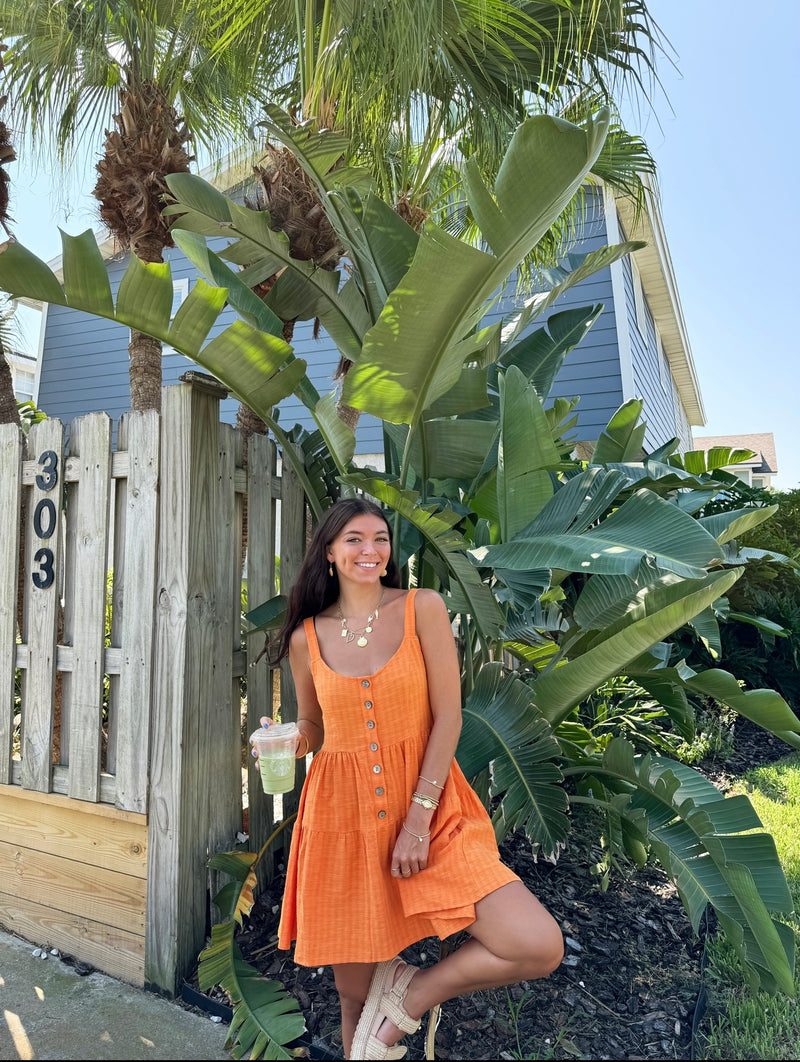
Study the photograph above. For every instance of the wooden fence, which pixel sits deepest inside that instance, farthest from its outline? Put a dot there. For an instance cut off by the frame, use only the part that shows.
(121, 655)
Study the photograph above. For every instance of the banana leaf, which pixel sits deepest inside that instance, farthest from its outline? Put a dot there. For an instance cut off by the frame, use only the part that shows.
(561, 689)
(725, 526)
(643, 527)
(526, 454)
(415, 352)
(501, 727)
(703, 841)
(622, 438)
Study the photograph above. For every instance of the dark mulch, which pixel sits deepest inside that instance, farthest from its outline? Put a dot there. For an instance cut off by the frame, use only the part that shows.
(628, 987)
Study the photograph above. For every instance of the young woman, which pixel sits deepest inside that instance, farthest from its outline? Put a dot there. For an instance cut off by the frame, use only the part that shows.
(391, 844)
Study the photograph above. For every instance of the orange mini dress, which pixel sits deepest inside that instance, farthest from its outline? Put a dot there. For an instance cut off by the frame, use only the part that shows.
(341, 903)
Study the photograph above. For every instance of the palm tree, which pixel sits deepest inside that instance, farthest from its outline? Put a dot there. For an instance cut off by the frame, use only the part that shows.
(416, 87)
(143, 71)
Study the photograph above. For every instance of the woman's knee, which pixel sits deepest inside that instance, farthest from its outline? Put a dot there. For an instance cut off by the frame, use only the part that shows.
(352, 984)
(541, 949)
(550, 943)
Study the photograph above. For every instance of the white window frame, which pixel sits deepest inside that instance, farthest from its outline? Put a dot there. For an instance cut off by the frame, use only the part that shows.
(180, 291)
(20, 376)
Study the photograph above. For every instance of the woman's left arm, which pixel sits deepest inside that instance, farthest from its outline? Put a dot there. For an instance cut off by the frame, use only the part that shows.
(444, 687)
(444, 691)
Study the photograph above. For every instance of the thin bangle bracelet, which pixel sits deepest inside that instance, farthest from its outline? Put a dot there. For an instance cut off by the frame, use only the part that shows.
(308, 746)
(431, 782)
(416, 835)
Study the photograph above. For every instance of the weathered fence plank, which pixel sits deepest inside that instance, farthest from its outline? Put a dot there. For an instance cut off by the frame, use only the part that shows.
(45, 445)
(223, 763)
(263, 487)
(293, 545)
(134, 596)
(90, 440)
(10, 498)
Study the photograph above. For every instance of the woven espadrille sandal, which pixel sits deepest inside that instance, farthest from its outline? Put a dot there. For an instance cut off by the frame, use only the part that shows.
(366, 1044)
(391, 1005)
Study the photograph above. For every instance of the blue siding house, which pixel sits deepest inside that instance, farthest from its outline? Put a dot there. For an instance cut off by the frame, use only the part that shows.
(637, 348)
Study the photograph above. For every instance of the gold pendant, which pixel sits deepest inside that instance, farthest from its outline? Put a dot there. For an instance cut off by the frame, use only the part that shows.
(362, 641)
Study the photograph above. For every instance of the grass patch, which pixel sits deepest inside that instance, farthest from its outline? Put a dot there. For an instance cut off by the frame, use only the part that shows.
(743, 1024)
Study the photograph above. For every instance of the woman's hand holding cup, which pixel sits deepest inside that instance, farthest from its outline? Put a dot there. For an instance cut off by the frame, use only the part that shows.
(275, 749)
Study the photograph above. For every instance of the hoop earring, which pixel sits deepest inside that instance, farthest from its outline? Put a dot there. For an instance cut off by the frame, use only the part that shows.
(330, 570)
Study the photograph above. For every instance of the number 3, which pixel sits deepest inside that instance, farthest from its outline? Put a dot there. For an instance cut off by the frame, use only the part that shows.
(45, 576)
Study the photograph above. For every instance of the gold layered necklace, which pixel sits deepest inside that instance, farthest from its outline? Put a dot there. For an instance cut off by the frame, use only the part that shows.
(359, 633)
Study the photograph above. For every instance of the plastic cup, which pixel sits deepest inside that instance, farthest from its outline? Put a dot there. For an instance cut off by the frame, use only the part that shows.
(275, 745)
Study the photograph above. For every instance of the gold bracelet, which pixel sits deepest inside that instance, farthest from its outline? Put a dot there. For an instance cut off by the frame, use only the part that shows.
(416, 835)
(429, 803)
(308, 746)
(431, 782)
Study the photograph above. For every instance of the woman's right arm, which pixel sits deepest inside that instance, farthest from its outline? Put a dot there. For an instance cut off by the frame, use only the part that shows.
(309, 713)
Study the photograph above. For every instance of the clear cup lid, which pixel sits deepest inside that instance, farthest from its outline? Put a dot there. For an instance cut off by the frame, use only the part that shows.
(276, 731)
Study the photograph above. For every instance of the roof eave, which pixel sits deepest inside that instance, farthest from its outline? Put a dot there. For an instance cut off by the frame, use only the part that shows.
(654, 263)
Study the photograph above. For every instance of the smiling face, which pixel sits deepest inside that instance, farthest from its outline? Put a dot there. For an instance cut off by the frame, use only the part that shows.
(362, 549)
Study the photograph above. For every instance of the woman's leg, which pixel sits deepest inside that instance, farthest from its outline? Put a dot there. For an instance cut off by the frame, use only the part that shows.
(352, 983)
(513, 939)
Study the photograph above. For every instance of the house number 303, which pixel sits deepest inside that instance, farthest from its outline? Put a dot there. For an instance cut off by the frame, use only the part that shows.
(45, 520)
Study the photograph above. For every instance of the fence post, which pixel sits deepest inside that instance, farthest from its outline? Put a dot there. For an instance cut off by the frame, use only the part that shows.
(187, 725)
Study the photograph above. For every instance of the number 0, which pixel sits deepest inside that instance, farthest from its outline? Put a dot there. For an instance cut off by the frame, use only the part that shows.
(44, 518)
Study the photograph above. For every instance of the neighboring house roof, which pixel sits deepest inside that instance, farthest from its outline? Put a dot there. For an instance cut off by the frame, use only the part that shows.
(654, 263)
(761, 443)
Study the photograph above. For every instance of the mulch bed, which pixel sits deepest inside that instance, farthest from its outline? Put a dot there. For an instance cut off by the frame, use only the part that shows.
(628, 987)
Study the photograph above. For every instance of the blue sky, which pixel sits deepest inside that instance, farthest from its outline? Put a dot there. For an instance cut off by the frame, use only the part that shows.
(724, 134)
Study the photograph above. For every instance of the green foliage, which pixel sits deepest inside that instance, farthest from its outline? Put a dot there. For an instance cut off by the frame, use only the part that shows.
(581, 572)
(29, 415)
(755, 629)
(747, 1025)
(782, 533)
(266, 1019)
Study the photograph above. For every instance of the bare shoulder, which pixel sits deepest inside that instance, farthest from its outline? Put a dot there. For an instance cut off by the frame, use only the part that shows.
(298, 643)
(429, 607)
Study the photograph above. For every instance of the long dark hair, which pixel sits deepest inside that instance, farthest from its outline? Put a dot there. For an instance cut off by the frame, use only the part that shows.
(315, 588)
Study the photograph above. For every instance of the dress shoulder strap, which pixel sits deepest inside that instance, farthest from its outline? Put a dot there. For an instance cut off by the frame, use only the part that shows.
(311, 638)
(410, 624)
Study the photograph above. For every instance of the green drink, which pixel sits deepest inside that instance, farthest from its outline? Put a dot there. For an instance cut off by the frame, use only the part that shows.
(275, 746)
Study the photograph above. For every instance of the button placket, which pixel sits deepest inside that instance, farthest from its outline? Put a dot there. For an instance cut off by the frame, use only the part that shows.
(377, 768)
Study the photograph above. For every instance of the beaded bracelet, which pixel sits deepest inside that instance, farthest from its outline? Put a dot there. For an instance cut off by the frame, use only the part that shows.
(416, 835)
(431, 782)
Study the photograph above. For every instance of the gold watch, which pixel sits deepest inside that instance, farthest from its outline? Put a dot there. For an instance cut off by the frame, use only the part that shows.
(425, 801)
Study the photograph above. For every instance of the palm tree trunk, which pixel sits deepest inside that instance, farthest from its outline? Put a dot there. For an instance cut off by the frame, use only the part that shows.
(147, 142)
(9, 414)
(145, 371)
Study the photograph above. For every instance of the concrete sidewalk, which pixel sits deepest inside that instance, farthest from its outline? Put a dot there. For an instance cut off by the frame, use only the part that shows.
(48, 1011)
